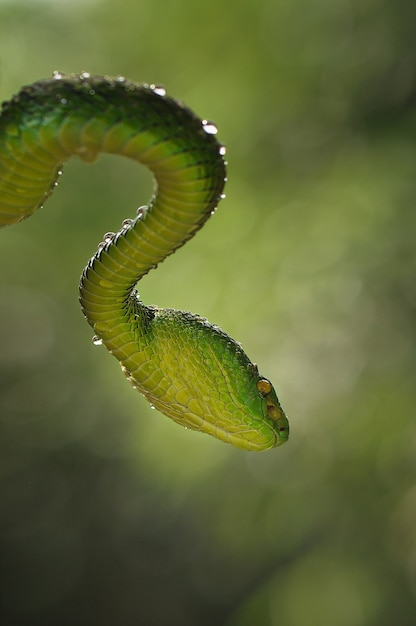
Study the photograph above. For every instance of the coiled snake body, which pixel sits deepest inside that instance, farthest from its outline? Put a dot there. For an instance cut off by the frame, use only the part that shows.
(187, 368)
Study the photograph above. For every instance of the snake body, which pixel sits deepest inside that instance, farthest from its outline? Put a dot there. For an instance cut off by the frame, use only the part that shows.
(186, 367)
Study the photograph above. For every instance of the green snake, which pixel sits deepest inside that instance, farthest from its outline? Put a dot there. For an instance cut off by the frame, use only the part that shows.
(186, 367)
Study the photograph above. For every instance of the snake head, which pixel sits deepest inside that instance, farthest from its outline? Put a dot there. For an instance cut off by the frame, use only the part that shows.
(202, 379)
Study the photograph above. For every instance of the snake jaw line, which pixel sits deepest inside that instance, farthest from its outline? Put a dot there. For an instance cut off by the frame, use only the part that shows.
(186, 367)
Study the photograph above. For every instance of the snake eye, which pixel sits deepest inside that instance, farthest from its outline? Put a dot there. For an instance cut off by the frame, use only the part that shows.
(264, 386)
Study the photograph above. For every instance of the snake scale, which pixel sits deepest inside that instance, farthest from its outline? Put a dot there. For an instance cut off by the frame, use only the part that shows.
(186, 367)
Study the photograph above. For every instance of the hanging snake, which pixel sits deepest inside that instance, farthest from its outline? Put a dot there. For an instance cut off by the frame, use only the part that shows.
(189, 369)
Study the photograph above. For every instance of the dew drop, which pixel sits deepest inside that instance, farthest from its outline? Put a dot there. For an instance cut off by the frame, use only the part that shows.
(141, 211)
(158, 90)
(108, 237)
(97, 341)
(152, 406)
(63, 101)
(223, 195)
(85, 75)
(120, 79)
(57, 75)
(100, 246)
(222, 150)
(209, 127)
(126, 223)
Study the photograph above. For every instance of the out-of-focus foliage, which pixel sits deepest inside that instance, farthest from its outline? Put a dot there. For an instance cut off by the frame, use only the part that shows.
(111, 514)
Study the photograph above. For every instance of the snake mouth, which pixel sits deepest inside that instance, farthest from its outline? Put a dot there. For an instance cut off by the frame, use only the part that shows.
(280, 423)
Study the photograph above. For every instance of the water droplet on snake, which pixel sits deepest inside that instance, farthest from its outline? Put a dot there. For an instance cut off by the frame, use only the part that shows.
(209, 127)
(158, 90)
(141, 211)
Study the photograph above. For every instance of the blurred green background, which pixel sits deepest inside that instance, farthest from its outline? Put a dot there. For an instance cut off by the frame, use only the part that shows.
(110, 514)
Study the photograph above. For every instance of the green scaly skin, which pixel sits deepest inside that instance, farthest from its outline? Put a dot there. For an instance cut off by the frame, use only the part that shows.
(187, 368)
